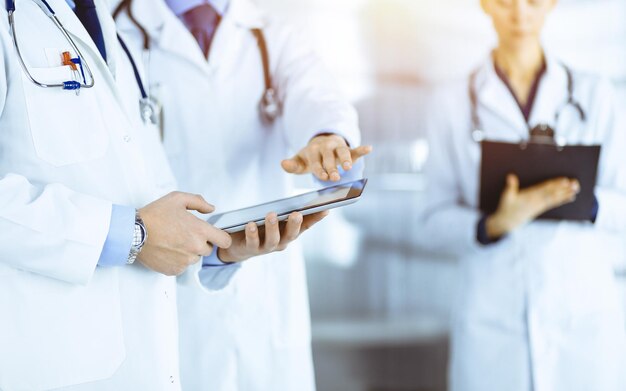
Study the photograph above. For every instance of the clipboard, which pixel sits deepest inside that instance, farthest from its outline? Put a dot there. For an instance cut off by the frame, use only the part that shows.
(534, 163)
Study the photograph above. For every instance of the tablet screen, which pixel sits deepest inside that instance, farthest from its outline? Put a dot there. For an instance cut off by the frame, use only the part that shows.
(315, 200)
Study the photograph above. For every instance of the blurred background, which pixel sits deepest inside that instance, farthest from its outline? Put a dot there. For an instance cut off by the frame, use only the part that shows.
(380, 305)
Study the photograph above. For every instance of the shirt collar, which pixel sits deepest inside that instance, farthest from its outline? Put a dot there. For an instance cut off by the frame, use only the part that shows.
(179, 7)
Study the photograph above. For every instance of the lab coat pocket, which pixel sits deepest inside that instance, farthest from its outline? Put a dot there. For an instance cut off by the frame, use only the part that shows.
(58, 138)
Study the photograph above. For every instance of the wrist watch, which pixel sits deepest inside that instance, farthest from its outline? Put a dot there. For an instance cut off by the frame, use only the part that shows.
(139, 239)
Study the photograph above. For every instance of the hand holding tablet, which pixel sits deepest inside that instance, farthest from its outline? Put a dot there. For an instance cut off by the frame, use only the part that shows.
(300, 212)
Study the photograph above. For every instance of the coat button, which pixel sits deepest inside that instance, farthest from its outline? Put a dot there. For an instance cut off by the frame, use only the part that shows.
(172, 379)
(127, 138)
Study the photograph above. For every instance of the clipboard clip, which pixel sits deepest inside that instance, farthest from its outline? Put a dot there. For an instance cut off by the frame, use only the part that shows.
(545, 135)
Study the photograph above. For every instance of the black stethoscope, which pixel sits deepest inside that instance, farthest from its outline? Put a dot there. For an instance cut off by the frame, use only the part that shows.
(270, 105)
(148, 107)
(542, 133)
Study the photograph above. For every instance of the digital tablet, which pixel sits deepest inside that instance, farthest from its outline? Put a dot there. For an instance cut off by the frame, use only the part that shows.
(307, 203)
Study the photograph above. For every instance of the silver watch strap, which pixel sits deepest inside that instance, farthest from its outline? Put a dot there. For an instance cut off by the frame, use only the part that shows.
(140, 236)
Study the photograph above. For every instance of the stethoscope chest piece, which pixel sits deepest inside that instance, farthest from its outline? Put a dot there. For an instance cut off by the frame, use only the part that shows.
(542, 134)
(269, 106)
(150, 110)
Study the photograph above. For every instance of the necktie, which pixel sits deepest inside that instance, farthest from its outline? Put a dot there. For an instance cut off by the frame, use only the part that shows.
(86, 12)
(202, 22)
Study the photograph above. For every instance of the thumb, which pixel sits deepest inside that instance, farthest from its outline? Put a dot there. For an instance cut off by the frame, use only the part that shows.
(197, 202)
(512, 184)
(295, 165)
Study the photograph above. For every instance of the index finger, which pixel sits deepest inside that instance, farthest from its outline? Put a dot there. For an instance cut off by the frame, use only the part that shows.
(361, 151)
(216, 236)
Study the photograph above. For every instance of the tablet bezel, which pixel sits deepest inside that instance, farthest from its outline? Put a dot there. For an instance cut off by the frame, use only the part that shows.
(354, 194)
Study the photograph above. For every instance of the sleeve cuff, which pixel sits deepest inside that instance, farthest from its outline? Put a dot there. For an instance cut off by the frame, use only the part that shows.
(213, 260)
(481, 232)
(595, 209)
(330, 133)
(214, 279)
(120, 237)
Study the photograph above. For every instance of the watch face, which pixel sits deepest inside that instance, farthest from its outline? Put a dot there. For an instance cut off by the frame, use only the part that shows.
(139, 236)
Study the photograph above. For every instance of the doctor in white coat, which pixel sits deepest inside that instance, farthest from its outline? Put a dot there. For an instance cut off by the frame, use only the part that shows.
(75, 315)
(538, 305)
(243, 326)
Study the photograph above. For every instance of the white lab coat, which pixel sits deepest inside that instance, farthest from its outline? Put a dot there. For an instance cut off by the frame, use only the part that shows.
(540, 309)
(64, 159)
(248, 328)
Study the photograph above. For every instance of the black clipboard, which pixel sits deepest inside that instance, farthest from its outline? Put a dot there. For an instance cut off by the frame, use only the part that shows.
(534, 163)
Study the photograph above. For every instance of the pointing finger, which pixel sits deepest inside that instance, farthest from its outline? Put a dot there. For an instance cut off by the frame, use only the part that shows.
(361, 151)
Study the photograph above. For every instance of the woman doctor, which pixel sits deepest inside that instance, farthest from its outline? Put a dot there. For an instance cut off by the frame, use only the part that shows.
(538, 305)
(251, 330)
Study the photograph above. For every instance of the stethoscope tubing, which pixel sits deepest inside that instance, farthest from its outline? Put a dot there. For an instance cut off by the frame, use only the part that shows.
(140, 84)
(67, 85)
(477, 132)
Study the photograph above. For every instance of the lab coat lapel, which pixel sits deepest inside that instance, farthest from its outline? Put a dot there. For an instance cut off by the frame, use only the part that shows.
(105, 72)
(165, 30)
(176, 39)
(495, 97)
(109, 31)
(241, 14)
(551, 95)
(246, 14)
(170, 34)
